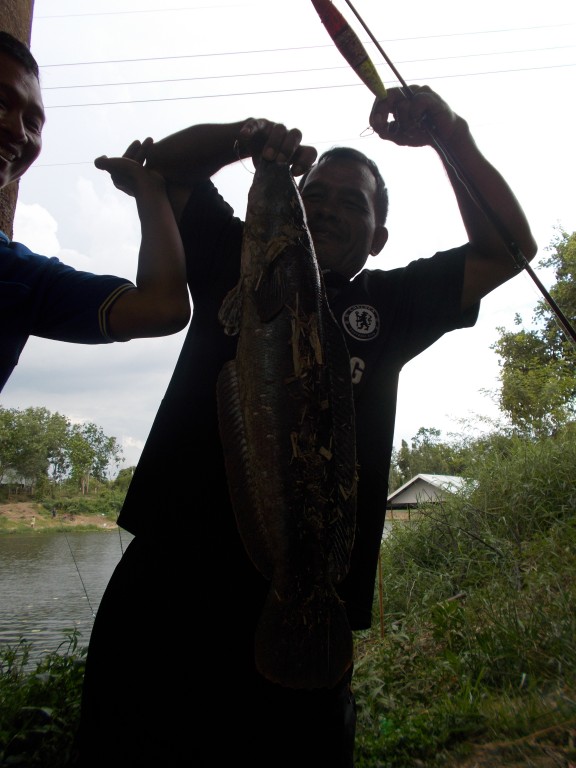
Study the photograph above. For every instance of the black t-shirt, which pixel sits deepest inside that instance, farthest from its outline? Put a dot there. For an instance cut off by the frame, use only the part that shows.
(387, 318)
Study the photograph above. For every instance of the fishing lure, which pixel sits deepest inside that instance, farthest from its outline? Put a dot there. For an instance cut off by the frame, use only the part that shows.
(350, 46)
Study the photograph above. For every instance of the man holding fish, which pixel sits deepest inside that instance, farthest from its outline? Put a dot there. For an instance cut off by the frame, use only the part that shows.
(230, 525)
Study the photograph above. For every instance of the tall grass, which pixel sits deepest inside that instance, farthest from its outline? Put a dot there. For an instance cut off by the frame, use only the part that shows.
(479, 603)
(40, 710)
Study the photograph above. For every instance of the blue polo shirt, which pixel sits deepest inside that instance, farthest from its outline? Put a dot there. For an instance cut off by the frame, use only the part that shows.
(41, 296)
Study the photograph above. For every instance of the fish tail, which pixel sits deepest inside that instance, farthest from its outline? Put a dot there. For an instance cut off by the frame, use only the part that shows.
(304, 644)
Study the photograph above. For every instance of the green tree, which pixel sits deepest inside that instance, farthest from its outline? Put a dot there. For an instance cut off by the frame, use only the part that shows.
(562, 259)
(37, 445)
(8, 445)
(427, 454)
(57, 442)
(30, 441)
(537, 373)
(90, 452)
(123, 479)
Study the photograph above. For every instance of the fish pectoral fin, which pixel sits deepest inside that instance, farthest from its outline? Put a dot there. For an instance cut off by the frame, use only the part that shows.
(231, 310)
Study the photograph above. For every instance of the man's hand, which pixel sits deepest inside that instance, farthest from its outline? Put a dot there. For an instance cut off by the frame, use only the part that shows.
(128, 172)
(274, 142)
(412, 121)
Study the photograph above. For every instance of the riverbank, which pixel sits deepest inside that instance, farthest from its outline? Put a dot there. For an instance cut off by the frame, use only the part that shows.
(27, 516)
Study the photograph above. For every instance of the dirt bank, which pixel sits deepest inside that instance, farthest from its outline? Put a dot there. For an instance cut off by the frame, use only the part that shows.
(27, 516)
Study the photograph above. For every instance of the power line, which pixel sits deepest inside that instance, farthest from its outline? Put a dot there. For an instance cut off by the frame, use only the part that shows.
(296, 71)
(298, 48)
(293, 90)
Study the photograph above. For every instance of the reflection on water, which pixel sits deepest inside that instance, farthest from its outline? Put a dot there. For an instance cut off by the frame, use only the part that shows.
(52, 582)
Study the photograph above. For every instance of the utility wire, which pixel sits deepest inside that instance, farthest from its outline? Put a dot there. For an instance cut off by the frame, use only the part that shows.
(289, 90)
(308, 70)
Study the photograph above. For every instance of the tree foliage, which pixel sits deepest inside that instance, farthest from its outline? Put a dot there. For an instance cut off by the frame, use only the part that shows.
(537, 367)
(429, 454)
(537, 397)
(36, 445)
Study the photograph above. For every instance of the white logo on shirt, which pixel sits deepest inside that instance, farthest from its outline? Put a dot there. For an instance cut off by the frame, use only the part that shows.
(357, 366)
(362, 322)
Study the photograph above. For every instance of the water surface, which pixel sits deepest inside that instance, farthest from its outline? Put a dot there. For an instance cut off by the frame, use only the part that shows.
(52, 582)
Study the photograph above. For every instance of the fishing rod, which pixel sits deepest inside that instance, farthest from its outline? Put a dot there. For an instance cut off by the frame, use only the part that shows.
(353, 51)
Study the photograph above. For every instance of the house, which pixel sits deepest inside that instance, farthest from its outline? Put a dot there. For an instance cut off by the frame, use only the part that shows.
(423, 489)
(11, 479)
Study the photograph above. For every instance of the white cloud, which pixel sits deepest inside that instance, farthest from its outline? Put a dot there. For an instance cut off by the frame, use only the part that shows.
(37, 228)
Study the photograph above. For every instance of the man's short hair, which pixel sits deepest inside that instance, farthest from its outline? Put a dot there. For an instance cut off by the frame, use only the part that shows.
(348, 153)
(18, 50)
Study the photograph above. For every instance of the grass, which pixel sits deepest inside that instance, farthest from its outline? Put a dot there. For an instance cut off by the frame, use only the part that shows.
(479, 626)
(476, 643)
(39, 709)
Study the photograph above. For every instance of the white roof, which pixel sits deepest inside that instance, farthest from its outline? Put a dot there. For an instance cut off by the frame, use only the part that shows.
(423, 488)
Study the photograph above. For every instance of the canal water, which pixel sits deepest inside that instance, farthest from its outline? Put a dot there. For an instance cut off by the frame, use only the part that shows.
(53, 582)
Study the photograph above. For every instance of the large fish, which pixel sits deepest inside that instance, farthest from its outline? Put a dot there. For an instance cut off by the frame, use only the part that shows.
(286, 419)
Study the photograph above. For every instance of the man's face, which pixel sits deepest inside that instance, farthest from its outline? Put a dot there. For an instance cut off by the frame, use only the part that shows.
(339, 199)
(21, 119)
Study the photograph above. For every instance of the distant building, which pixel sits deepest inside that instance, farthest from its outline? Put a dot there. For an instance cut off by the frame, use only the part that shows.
(425, 489)
(11, 479)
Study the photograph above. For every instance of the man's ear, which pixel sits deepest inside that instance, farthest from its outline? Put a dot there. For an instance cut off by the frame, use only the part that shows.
(379, 240)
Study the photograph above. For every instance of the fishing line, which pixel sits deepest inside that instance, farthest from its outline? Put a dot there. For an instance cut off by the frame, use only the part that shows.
(120, 539)
(513, 248)
(80, 576)
(240, 158)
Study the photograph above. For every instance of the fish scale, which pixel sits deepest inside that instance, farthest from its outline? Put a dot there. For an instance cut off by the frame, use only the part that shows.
(286, 420)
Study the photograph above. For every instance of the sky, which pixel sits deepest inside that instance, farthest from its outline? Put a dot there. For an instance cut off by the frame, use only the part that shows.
(116, 70)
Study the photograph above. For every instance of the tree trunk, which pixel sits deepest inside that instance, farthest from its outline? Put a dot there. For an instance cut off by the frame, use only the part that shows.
(16, 18)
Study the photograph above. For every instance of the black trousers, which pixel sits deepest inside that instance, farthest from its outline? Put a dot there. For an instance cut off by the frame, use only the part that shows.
(170, 675)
